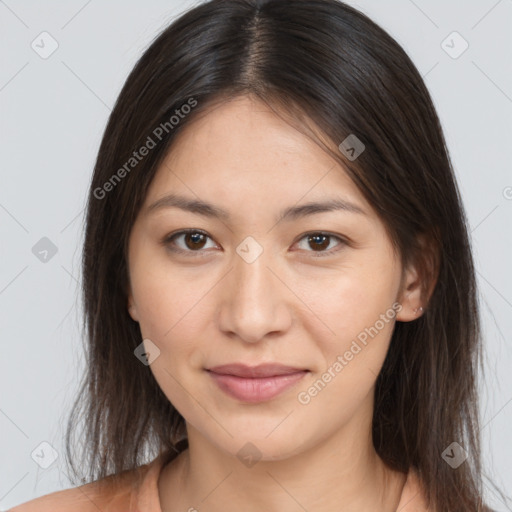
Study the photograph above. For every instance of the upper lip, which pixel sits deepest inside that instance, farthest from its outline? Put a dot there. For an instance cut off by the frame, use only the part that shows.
(261, 370)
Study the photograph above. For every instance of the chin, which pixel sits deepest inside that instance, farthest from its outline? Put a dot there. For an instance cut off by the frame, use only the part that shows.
(255, 444)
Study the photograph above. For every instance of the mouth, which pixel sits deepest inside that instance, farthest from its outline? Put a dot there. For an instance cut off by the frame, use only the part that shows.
(255, 384)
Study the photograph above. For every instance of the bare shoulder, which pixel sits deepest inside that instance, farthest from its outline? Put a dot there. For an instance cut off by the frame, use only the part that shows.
(68, 499)
(110, 494)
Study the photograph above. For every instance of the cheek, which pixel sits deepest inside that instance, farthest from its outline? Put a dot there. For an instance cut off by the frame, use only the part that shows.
(352, 358)
(351, 301)
(164, 295)
(176, 311)
(353, 336)
(167, 314)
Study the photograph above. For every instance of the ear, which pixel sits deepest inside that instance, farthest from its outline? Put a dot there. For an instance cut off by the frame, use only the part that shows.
(132, 308)
(418, 279)
(410, 295)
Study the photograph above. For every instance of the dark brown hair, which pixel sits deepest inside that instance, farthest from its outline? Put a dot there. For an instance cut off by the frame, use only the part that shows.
(324, 64)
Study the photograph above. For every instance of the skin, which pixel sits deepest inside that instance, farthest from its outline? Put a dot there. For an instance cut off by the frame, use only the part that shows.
(287, 306)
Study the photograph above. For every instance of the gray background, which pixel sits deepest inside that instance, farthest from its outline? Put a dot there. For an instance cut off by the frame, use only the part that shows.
(52, 114)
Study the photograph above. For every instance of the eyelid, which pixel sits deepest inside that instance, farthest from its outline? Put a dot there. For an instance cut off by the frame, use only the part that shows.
(168, 239)
(342, 242)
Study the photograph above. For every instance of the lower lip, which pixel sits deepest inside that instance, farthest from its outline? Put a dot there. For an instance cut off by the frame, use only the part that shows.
(254, 390)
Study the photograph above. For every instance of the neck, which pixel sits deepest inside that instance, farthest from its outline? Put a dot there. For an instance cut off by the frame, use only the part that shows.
(343, 473)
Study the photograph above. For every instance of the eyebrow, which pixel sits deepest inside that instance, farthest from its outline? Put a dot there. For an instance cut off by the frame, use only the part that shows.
(291, 213)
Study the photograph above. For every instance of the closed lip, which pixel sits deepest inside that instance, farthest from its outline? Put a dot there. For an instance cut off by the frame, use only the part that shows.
(254, 372)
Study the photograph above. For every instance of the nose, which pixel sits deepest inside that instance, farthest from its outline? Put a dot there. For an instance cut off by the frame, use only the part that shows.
(255, 301)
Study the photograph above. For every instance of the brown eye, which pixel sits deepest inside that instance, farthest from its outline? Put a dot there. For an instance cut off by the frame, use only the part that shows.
(186, 241)
(194, 240)
(319, 242)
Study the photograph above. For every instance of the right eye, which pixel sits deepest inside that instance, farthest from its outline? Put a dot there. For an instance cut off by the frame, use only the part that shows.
(193, 241)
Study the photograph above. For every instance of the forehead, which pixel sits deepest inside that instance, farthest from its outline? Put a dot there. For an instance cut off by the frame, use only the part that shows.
(245, 156)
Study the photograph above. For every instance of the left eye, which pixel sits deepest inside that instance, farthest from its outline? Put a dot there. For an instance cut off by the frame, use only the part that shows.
(195, 241)
(321, 241)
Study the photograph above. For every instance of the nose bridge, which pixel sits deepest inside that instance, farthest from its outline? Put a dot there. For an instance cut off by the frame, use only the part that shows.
(252, 277)
(250, 264)
(253, 305)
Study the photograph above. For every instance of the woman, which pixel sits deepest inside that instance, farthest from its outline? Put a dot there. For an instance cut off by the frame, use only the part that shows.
(278, 285)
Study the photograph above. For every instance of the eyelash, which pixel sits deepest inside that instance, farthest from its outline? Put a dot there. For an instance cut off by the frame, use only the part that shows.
(168, 240)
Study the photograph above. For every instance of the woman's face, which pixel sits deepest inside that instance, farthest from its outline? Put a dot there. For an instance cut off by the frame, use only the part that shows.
(249, 286)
